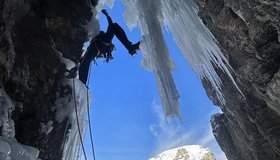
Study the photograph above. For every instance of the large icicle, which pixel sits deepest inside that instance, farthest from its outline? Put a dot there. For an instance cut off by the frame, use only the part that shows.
(194, 40)
(156, 55)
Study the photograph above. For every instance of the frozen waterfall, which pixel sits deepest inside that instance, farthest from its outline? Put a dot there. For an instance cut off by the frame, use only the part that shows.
(157, 58)
(195, 41)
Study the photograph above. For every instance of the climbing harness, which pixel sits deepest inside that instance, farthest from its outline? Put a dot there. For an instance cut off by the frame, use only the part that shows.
(104, 50)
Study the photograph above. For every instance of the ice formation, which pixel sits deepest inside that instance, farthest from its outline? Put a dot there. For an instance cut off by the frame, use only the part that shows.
(156, 54)
(72, 143)
(65, 101)
(93, 26)
(64, 106)
(12, 150)
(101, 3)
(9, 148)
(7, 106)
(195, 41)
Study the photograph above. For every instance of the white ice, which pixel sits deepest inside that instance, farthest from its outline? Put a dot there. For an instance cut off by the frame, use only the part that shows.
(155, 52)
(192, 37)
(12, 150)
(72, 144)
(65, 107)
(189, 152)
(196, 42)
(6, 108)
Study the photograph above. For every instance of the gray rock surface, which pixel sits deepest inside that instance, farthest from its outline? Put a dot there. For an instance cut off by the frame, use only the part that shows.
(249, 35)
(30, 69)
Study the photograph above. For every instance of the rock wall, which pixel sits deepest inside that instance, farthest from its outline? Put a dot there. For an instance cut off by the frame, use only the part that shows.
(249, 35)
(31, 33)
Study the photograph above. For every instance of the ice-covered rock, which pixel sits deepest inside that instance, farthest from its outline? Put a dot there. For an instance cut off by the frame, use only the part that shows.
(65, 107)
(6, 108)
(12, 150)
(189, 152)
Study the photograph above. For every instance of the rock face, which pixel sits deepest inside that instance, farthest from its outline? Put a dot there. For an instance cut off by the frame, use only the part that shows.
(31, 34)
(190, 152)
(249, 35)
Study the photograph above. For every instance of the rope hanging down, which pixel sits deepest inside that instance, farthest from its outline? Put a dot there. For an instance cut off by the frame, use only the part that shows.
(77, 120)
(76, 110)
(89, 119)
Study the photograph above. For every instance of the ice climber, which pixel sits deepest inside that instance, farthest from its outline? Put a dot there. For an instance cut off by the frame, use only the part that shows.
(102, 46)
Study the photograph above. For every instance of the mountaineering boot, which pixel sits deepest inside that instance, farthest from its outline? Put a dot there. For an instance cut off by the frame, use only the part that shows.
(132, 49)
(104, 11)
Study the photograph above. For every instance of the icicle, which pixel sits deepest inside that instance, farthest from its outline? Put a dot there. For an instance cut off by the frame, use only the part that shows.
(196, 42)
(156, 55)
(192, 37)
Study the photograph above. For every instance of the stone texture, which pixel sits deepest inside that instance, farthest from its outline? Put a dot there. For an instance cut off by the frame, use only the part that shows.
(30, 69)
(249, 35)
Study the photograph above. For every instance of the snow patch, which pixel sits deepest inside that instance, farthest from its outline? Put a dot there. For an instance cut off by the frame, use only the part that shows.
(190, 152)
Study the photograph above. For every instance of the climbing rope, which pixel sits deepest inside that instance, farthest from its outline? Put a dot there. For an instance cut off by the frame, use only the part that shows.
(89, 121)
(76, 109)
(77, 120)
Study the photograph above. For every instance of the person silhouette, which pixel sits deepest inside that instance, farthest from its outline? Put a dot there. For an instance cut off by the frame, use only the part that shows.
(102, 46)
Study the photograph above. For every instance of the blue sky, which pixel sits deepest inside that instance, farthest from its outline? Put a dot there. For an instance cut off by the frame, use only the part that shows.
(127, 117)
